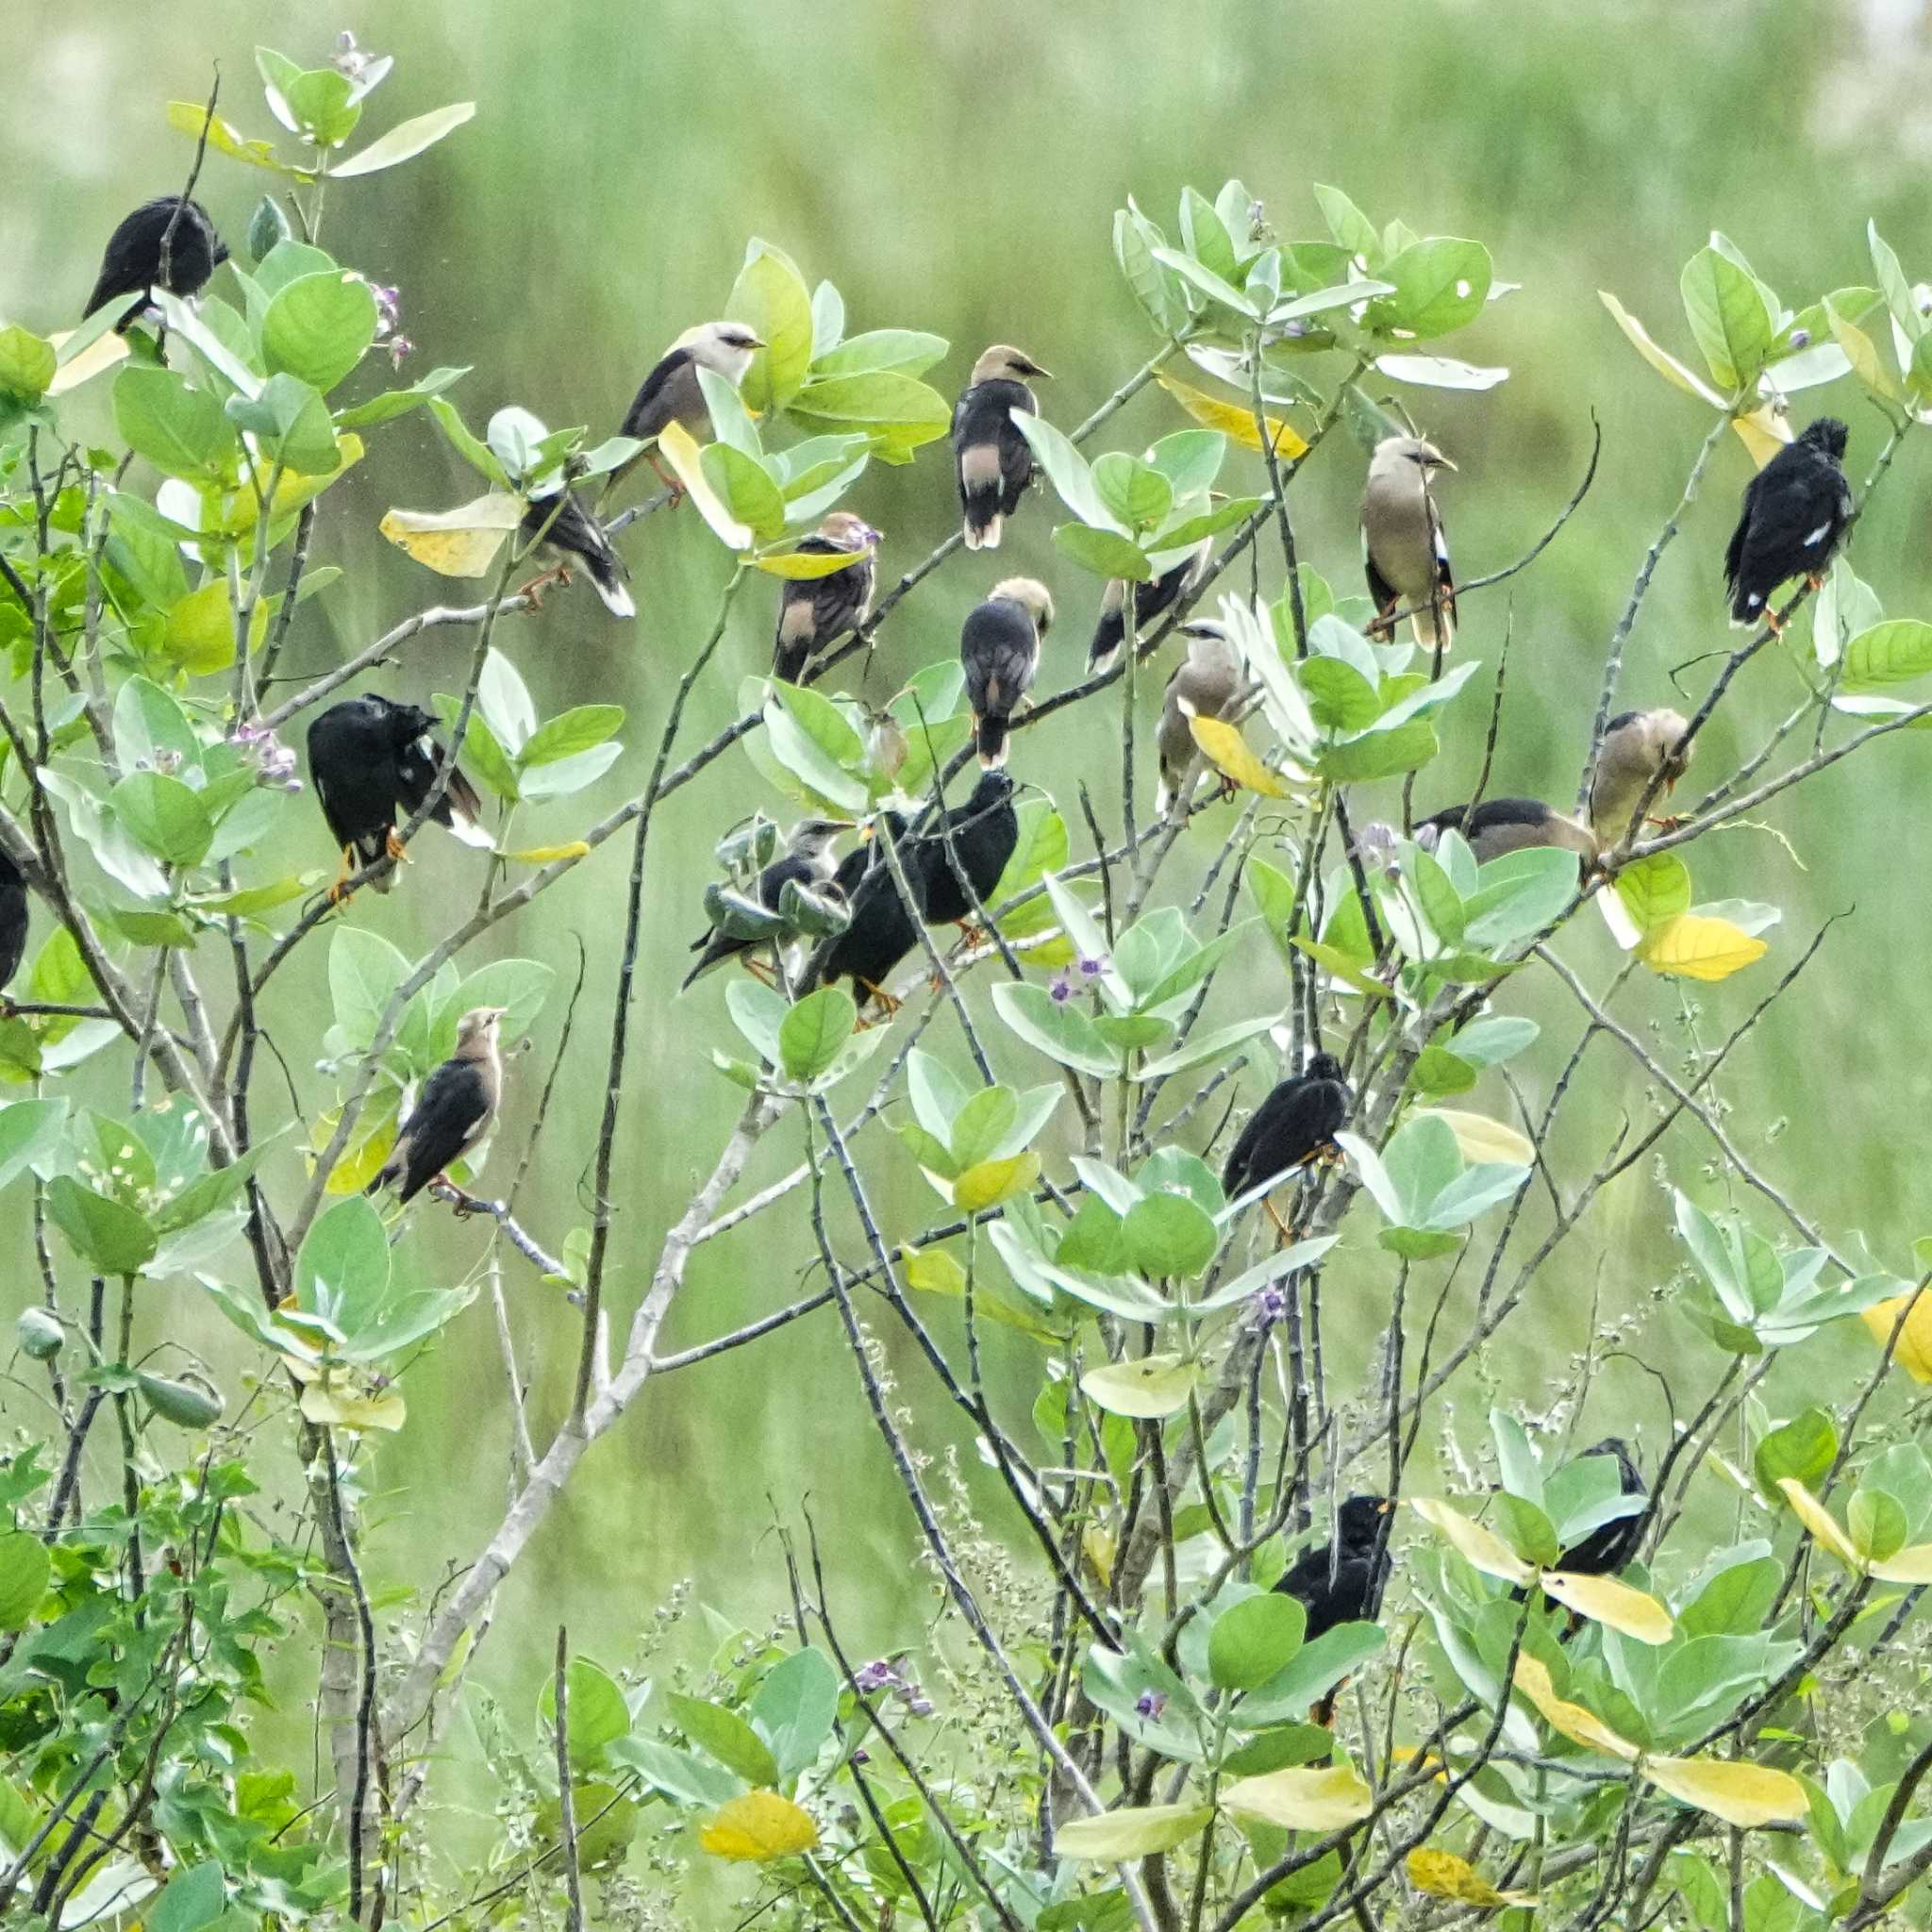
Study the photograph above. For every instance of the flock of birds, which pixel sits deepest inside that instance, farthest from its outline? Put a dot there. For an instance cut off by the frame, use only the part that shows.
(374, 761)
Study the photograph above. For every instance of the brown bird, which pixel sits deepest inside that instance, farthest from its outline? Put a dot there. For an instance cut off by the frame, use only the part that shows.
(1206, 685)
(999, 645)
(671, 393)
(813, 612)
(993, 461)
(1151, 601)
(1637, 745)
(1506, 825)
(452, 1111)
(1404, 552)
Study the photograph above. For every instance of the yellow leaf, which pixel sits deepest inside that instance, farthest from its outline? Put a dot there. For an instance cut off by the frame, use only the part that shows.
(810, 563)
(1480, 1138)
(1227, 751)
(459, 542)
(1147, 1388)
(1740, 1794)
(1696, 946)
(1910, 1565)
(1235, 420)
(1136, 1833)
(1099, 1549)
(1334, 960)
(102, 353)
(1861, 353)
(1579, 1726)
(935, 1272)
(1604, 1600)
(1442, 1874)
(363, 1160)
(1482, 1549)
(679, 448)
(191, 117)
(1662, 361)
(1820, 1522)
(989, 1182)
(1320, 1799)
(330, 1404)
(1409, 1755)
(758, 1827)
(1653, 892)
(1763, 432)
(548, 854)
(1914, 1351)
(200, 631)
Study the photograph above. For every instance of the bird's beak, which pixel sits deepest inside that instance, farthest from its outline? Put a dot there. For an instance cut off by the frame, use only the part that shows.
(760, 343)
(1440, 463)
(1034, 369)
(1383, 1508)
(842, 825)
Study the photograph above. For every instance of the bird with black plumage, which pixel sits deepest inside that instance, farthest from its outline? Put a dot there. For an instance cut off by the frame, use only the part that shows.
(1611, 1546)
(991, 458)
(999, 647)
(1405, 548)
(815, 612)
(805, 865)
(572, 537)
(1795, 513)
(977, 837)
(1341, 1581)
(673, 394)
(373, 761)
(12, 922)
(1153, 600)
(167, 244)
(452, 1113)
(1292, 1129)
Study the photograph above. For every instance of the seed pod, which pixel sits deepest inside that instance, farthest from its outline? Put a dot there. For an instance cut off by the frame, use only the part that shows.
(40, 1334)
(193, 1405)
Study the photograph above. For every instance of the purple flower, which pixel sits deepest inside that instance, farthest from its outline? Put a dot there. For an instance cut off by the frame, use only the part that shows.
(275, 762)
(1801, 339)
(399, 346)
(876, 1676)
(1150, 1704)
(1062, 989)
(916, 1705)
(389, 309)
(861, 1757)
(1273, 1303)
(1092, 969)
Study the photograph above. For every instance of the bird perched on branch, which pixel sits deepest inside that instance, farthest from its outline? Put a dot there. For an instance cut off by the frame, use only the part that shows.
(999, 645)
(373, 761)
(1611, 1546)
(452, 1112)
(1497, 826)
(567, 531)
(12, 919)
(671, 393)
(1637, 747)
(983, 833)
(813, 612)
(1796, 510)
(1342, 1582)
(1152, 602)
(882, 929)
(993, 461)
(807, 863)
(170, 226)
(1404, 552)
(1294, 1126)
(1205, 685)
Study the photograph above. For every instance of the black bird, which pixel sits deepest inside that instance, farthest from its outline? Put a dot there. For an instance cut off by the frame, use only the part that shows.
(452, 1111)
(131, 264)
(807, 861)
(1346, 1585)
(992, 461)
(1796, 509)
(999, 645)
(567, 531)
(1508, 824)
(1152, 602)
(12, 919)
(373, 761)
(983, 831)
(1295, 1124)
(864, 857)
(813, 612)
(1610, 1546)
(882, 931)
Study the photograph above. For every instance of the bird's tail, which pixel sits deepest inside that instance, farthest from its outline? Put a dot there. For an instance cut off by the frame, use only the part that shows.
(1435, 628)
(983, 530)
(1746, 608)
(609, 583)
(992, 741)
(1105, 648)
(788, 660)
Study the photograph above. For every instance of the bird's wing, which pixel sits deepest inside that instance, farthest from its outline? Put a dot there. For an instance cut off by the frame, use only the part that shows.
(1016, 453)
(1381, 592)
(450, 1112)
(1439, 548)
(651, 407)
(1733, 550)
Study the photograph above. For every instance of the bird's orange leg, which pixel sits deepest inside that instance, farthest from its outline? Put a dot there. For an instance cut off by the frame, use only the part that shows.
(671, 483)
(535, 588)
(1774, 623)
(1282, 1227)
(759, 970)
(1816, 580)
(338, 894)
(394, 845)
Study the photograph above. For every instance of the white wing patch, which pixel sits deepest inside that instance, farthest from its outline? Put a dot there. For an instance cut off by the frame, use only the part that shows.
(1813, 539)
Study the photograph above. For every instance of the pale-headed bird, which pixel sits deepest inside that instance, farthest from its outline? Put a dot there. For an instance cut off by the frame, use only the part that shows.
(1152, 602)
(1637, 747)
(805, 861)
(993, 461)
(1205, 685)
(671, 393)
(999, 645)
(452, 1111)
(1796, 510)
(1404, 552)
(813, 612)
(569, 533)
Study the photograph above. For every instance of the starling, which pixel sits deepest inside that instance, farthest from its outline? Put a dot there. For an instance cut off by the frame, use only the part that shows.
(1206, 685)
(1508, 824)
(572, 535)
(452, 1111)
(881, 930)
(865, 856)
(12, 919)
(1610, 1546)
(1295, 1124)
(814, 611)
(1151, 601)
(807, 861)
(993, 459)
(373, 761)
(1342, 1582)
(999, 645)
(1637, 745)
(1796, 509)
(983, 832)
(131, 264)
(671, 393)
(1403, 550)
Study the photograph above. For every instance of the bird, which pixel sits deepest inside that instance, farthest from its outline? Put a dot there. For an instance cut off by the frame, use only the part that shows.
(1205, 685)
(1497, 826)
(807, 861)
(879, 934)
(1341, 1582)
(999, 645)
(1638, 748)
(813, 612)
(993, 461)
(12, 919)
(132, 262)
(1796, 510)
(858, 863)
(1151, 601)
(452, 1112)
(671, 393)
(1294, 1126)
(982, 833)
(1404, 552)
(373, 759)
(567, 531)
(1610, 1546)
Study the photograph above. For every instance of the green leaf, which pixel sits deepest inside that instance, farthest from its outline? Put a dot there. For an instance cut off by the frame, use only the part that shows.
(1655, 891)
(195, 1896)
(1063, 1032)
(815, 1030)
(364, 971)
(1378, 754)
(1145, 1387)
(1891, 652)
(1135, 240)
(1136, 494)
(1254, 1641)
(1892, 284)
(317, 328)
(1803, 1449)
(109, 1236)
(1168, 1234)
(519, 986)
(800, 753)
(1441, 285)
(746, 489)
(405, 139)
(1138, 1832)
(570, 732)
(26, 1567)
(898, 411)
(1876, 1522)
(1727, 316)
(796, 1707)
(1066, 470)
(27, 364)
(343, 1270)
(397, 401)
(724, 1735)
(181, 431)
(1105, 552)
(770, 298)
(1352, 230)
(910, 351)
(165, 817)
(596, 1711)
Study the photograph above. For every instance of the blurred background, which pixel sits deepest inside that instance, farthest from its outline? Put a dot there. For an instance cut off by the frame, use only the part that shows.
(956, 168)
